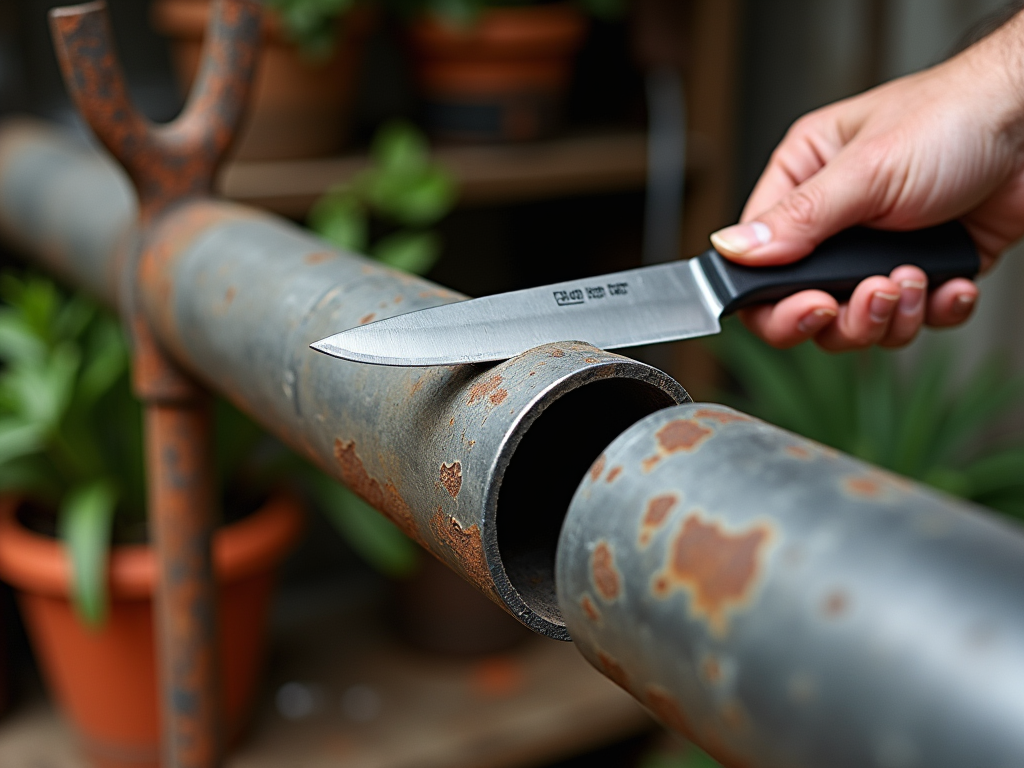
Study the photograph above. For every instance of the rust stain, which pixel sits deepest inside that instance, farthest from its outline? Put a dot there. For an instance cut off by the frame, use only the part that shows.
(597, 468)
(606, 575)
(613, 670)
(649, 463)
(657, 512)
(613, 474)
(835, 604)
(319, 257)
(466, 545)
(591, 360)
(498, 396)
(667, 710)
(399, 299)
(557, 352)
(383, 497)
(718, 568)
(367, 318)
(482, 389)
(798, 452)
(682, 435)
(862, 487)
(451, 478)
(711, 670)
(451, 422)
(589, 609)
(533, 373)
(722, 417)
(229, 295)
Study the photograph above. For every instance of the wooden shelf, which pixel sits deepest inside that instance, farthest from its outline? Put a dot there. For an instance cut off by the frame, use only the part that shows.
(536, 704)
(487, 174)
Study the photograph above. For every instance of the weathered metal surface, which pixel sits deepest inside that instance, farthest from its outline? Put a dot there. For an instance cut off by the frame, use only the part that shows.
(457, 455)
(786, 605)
(167, 165)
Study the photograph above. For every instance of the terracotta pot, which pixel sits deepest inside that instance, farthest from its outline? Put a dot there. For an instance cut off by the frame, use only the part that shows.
(105, 681)
(503, 78)
(298, 108)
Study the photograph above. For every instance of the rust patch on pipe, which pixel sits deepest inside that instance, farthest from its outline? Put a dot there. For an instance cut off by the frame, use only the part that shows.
(798, 452)
(498, 396)
(613, 670)
(657, 512)
(711, 670)
(650, 463)
(613, 474)
(722, 417)
(589, 609)
(319, 257)
(483, 389)
(556, 352)
(597, 468)
(606, 576)
(591, 360)
(875, 485)
(667, 710)
(451, 478)
(466, 545)
(835, 604)
(229, 295)
(682, 435)
(383, 497)
(719, 569)
(367, 318)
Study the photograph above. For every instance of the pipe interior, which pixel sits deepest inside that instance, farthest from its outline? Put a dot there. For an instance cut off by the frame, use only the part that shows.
(545, 470)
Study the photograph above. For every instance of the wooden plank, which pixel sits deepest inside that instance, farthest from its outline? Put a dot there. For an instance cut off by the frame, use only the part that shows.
(487, 174)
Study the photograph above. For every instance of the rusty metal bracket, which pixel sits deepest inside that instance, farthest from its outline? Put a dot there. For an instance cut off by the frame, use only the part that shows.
(168, 166)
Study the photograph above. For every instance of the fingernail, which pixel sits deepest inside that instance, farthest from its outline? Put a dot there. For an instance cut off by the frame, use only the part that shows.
(912, 296)
(963, 303)
(741, 238)
(881, 306)
(815, 320)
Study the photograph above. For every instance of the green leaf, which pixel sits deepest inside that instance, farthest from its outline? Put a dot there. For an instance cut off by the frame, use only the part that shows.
(414, 199)
(18, 439)
(85, 521)
(106, 361)
(399, 147)
(414, 252)
(339, 218)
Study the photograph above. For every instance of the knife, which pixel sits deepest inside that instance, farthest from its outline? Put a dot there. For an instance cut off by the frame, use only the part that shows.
(664, 302)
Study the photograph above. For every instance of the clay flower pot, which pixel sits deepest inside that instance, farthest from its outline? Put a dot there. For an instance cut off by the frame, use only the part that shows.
(297, 108)
(502, 78)
(105, 680)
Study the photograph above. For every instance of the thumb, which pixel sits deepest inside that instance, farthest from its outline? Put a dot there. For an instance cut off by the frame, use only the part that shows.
(837, 197)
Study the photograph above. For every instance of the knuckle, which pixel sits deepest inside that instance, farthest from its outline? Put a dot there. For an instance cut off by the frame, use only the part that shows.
(803, 206)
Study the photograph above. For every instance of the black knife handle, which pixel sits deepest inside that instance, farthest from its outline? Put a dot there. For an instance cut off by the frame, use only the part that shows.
(842, 261)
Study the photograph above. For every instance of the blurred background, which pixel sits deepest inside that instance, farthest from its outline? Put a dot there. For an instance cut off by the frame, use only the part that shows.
(641, 131)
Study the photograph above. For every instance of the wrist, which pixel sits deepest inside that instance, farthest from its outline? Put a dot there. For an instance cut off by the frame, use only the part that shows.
(999, 59)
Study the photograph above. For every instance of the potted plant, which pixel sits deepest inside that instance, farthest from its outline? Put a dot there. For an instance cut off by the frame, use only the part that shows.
(496, 70)
(71, 482)
(305, 77)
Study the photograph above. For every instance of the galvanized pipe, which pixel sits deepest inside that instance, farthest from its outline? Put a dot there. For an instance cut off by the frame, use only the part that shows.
(786, 605)
(476, 463)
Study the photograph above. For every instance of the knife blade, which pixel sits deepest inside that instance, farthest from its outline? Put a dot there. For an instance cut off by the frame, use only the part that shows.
(664, 302)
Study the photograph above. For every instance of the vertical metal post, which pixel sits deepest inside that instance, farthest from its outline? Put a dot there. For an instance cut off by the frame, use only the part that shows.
(168, 165)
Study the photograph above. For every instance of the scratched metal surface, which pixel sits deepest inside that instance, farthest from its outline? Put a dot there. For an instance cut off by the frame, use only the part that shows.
(786, 605)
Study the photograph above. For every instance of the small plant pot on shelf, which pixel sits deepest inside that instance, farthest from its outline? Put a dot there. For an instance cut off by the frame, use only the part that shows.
(300, 107)
(105, 679)
(502, 78)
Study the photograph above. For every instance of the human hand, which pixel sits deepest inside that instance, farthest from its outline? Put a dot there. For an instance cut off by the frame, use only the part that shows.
(937, 145)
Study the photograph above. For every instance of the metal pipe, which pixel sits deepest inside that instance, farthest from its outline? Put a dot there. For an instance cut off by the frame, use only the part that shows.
(782, 604)
(476, 463)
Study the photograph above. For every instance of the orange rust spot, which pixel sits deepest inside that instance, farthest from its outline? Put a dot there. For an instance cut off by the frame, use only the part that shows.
(835, 604)
(682, 435)
(658, 509)
(229, 295)
(451, 478)
(614, 473)
(399, 299)
(863, 487)
(667, 710)
(367, 318)
(719, 569)
(533, 373)
(798, 452)
(451, 422)
(597, 468)
(589, 608)
(649, 463)
(591, 360)
(498, 397)
(613, 670)
(711, 670)
(384, 497)
(319, 257)
(467, 547)
(497, 677)
(557, 353)
(482, 389)
(606, 575)
(722, 417)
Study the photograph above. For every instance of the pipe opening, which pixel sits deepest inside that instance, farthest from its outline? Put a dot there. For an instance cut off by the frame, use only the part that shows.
(547, 467)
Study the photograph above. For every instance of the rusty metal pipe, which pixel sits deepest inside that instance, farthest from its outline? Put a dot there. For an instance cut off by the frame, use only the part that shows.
(786, 605)
(476, 463)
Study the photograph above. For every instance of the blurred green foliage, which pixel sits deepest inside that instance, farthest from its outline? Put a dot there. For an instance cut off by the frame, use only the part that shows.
(692, 757)
(909, 417)
(312, 24)
(465, 12)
